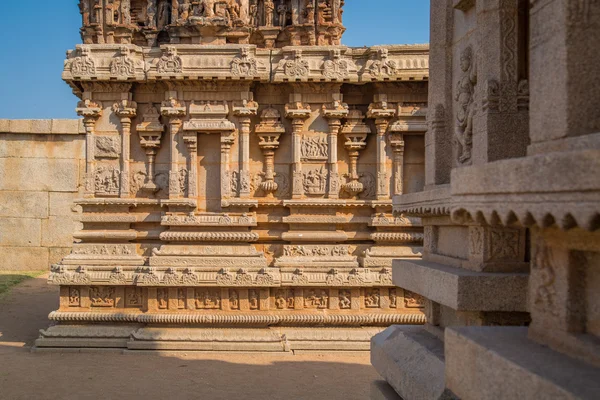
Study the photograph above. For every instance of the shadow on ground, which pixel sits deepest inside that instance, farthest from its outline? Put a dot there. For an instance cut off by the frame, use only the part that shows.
(226, 376)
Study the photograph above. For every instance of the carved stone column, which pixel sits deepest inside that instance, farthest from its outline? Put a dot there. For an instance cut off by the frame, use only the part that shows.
(382, 115)
(298, 112)
(90, 112)
(334, 113)
(150, 132)
(227, 140)
(268, 131)
(397, 143)
(244, 112)
(173, 111)
(125, 110)
(191, 142)
(355, 131)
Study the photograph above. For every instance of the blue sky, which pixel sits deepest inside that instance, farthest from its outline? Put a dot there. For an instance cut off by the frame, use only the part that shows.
(36, 34)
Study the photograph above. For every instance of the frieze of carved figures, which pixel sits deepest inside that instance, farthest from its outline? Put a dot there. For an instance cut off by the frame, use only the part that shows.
(123, 65)
(315, 251)
(382, 65)
(297, 67)
(284, 299)
(244, 65)
(299, 278)
(107, 180)
(465, 91)
(74, 297)
(345, 299)
(207, 299)
(170, 62)
(102, 296)
(385, 276)
(336, 67)
(316, 299)
(354, 278)
(413, 300)
(314, 148)
(243, 278)
(372, 298)
(103, 250)
(315, 181)
(393, 298)
(134, 297)
(83, 65)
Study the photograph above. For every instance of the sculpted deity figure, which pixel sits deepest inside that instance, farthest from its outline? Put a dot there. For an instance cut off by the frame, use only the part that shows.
(253, 13)
(466, 107)
(269, 12)
(164, 14)
(233, 11)
(84, 8)
(184, 10)
(282, 10)
(151, 14)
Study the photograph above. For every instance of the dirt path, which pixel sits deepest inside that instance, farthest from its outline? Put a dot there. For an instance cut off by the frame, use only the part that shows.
(26, 375)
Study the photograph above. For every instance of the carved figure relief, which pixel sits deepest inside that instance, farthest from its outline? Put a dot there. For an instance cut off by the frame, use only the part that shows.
(162, 298)
(393, 298)
(316, 299)
(464, 97)
(170, 62)
(315, 148)
(107, 180)
(208, 299)
(181, 298)
(234, 300)
(74, 297)
(102, 296)
(253, 299)
(372, 298)
(315, 181)
(413, 300)
(345, 298)
(244, 65)
(134, 297)
(544, 278)
(383, 66)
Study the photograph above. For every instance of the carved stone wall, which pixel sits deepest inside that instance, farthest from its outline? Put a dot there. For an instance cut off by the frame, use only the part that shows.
(230, 185)
(41, 174)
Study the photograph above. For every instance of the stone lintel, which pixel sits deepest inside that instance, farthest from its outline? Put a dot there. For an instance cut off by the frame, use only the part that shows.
(513, 367)
(411, 360)
(461, 289)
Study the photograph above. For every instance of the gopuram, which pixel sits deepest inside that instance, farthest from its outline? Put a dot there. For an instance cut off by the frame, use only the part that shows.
(511, 209)
(240, 169)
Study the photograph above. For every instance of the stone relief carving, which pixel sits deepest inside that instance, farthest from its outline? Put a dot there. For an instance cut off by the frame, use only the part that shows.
(102, 296)
(316, 299)
(315, 181)
(170, 62)
(107, 180)
(244, 65)
(413, 300)
(315, 251)
(123, 65)
(336, 68)
(382, 65)
(504, 244)
(296, 68)
(74, 297)
(314, 148)
(372, 298)
(345, 299)
(207, 299)
(83, 65)
(464, 97)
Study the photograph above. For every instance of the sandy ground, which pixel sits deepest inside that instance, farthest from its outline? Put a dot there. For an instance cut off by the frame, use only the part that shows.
(40, 376)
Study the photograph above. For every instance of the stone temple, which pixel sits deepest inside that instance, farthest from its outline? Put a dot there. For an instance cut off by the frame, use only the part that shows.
(239, 173)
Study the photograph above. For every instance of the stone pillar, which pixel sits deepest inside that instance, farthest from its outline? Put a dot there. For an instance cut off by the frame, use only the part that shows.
(227, 140)
(298, 112)
(90, 112)
(191, 142)
(382, 115)
(334, 113)
(173, 111)
(397, 143)
(125, 110)
(244, 112)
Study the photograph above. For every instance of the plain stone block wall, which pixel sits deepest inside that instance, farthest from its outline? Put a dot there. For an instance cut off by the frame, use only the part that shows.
(41, 172)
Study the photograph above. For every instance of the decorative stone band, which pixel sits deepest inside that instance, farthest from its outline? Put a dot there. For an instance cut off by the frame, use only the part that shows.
(243, 319)
(565, 216)
(209, 220)
(397, 237)
(209, 236)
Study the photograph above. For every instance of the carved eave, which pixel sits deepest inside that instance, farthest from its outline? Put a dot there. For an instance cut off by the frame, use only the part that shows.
(514, 192)
(429, 203)
(183, 62)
